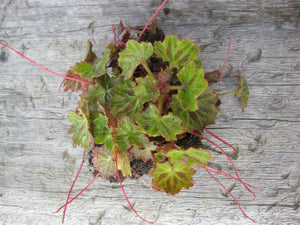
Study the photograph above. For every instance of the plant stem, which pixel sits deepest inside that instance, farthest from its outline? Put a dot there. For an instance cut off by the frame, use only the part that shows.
(170, 88)
(148, 70)
(227, 94)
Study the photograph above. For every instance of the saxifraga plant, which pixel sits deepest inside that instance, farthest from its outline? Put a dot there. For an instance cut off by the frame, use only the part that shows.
(138, 101)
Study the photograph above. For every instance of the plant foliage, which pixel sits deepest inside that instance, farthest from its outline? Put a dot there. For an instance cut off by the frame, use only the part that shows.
(146, 96)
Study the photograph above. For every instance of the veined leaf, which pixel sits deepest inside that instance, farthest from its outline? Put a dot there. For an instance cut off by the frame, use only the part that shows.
(104, 162)
(101, 131)
(242, 91)
(71, 85)
(124, 102)
(153, 124)
(144, 153)
(128, 134)
(177, 53)
(145, 90)
(101, 64)
(193, 85)
(205, 114)
(192, 154)
(198, 154)
(134, 54)
(173, 177)
(85, 69)
(80, 130)
(91, 98)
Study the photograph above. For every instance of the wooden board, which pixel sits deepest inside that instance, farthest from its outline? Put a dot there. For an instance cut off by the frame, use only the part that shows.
(38, 160)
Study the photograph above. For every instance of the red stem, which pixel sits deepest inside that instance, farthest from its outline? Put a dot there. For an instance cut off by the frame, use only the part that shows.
(145, 180)
(44, 68)
(224, 67)
(152, 18)
(67, 203)
(125, 195)
(229, 159)
(74, 181)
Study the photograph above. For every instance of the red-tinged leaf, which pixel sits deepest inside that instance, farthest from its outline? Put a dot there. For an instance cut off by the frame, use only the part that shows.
(124, 102)
(90, 56)
(144, 153)
(154, 125)
(71, 85)
(177, 53)
(193, 83)
(242, 91)
(102, 63)
(205, 114)
(173, 177)
(104, 162)
(145, 90)
(133, 55)
(127, 134)
(80, 130)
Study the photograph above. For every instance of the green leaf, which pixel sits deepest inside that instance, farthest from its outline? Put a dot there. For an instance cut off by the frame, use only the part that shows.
(124, 102)
(175, 155)
(107, 84)
(85, 69)
(173, 177)
(144, 153)
(100, 129)
(177, 53)
(242, 91)
(198, 154)
(153, 124)
(101, 64)
(80, 130)
(192, 155)
(128, 134)
(193, 85)
(104, 162)
(134, 54)
(145, 90)
(91, 98)
(124, 164)
(205, 114)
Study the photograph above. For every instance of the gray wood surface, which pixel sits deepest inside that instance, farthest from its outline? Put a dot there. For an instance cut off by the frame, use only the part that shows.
(38, 160)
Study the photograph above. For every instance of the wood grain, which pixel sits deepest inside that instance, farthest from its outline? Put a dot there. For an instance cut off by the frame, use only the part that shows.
(38, 160)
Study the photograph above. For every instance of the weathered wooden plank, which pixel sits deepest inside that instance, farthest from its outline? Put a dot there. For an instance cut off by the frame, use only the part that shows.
(38, 160)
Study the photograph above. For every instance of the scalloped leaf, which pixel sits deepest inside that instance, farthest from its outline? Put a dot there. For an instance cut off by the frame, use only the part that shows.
(153, 124)
(80, 130)
(242, 91)
(193, 85)
(144, 153)
(145, 90)
(192, 155)
(202, 117)
(177, 53)
(124, 102)
(104, 162)
(127, 134)
(91, 97)
(85, 69)
(173, 177)
(133, 55)
(198, 154)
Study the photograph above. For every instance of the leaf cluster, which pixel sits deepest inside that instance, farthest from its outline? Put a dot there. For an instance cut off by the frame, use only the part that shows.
(145, 97)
